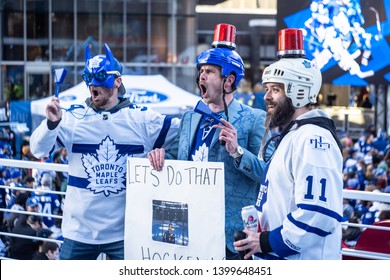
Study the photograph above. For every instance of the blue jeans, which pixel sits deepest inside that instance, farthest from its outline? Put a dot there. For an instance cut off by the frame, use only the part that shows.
(73, 250)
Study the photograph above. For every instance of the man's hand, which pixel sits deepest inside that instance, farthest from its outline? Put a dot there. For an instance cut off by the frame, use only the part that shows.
(229, 135)
(157, 158)
(252, 242)
(53, 110)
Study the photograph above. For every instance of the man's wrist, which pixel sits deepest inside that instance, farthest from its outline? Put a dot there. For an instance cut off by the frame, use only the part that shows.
(265, 246)
(52, 124)
(238, 153)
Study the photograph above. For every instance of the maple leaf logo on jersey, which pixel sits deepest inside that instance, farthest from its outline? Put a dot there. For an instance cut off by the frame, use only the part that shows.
(106, 170)
(201, 154)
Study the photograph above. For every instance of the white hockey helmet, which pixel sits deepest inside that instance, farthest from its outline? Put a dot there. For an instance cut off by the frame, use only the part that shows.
(301, 79)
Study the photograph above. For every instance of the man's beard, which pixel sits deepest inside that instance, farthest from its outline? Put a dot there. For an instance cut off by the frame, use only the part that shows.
(282, 114)
(104, 96)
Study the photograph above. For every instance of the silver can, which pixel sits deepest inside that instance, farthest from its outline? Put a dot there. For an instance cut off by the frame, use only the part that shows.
(249, 218)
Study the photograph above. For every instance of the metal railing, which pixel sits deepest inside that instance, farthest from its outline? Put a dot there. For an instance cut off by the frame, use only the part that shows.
(349, 194)
(367, 196)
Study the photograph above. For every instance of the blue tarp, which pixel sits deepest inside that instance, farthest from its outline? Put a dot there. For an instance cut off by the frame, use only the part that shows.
(21, 112)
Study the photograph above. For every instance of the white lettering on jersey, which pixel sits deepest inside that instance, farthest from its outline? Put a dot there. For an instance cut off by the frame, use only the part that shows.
(106, 170)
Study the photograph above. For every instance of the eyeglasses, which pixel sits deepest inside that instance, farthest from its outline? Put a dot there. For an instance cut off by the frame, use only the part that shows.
(99, 76)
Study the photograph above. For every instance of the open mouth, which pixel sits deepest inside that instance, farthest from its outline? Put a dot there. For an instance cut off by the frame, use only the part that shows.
(95, 93)
(203, 89)
(270, 105)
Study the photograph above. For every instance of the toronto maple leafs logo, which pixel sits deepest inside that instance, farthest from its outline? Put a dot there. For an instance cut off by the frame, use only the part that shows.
(307, 64)
(106, 169)
(94, 62)
(201, 154)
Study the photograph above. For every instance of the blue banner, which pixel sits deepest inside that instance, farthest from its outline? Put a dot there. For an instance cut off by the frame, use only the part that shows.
(348, 40)
(21, 112)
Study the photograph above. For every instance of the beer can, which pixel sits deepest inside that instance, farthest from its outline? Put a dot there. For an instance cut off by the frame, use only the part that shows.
(249, 218)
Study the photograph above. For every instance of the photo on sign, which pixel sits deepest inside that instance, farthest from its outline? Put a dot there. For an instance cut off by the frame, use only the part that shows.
(170, 222)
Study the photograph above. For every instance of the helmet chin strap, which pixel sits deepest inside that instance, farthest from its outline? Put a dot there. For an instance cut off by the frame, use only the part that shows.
(225, 105)
(224, 92)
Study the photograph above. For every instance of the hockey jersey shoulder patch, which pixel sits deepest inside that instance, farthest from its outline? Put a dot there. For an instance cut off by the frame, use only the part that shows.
(320, 147)
(319, 142)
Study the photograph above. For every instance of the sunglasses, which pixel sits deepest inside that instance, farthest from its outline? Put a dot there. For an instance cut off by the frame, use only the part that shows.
(99, 76)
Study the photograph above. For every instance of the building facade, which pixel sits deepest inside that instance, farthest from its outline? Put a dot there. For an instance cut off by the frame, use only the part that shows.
(148, 37)
(41, 35)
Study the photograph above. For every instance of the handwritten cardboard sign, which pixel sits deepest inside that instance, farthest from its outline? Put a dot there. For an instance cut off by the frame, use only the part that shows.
(177, 213)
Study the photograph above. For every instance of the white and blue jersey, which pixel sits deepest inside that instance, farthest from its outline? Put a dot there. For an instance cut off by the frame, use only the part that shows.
(49, 203)
(98, 145)
(300, 200)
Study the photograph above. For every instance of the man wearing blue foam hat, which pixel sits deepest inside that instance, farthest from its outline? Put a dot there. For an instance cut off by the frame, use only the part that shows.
(99, 135)
(222, 130)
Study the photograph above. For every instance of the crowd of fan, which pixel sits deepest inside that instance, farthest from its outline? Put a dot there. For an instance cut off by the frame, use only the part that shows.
(28, 194)
(366, 168)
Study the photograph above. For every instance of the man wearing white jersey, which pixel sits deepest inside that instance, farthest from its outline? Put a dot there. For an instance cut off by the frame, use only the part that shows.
(99, 135)
(300, 197)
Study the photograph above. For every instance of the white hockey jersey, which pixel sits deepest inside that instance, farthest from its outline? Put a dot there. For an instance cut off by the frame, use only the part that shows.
(300, 198)
(98, 145)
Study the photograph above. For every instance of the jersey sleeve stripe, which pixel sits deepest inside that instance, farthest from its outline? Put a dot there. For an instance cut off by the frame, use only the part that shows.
(163, 133)
(278, 245)
(307, 227)
(321, 210)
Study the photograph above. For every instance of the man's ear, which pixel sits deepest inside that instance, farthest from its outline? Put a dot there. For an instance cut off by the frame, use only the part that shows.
(118, 82)
(230, 80)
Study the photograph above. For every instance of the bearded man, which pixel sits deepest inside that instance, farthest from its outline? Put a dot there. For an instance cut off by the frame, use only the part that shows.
(300, 197)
